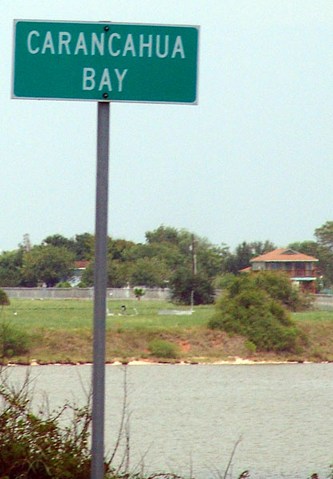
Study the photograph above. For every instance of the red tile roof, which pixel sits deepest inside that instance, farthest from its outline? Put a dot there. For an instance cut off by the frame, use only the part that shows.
(83, 264)
(283, 254)
(245, 270)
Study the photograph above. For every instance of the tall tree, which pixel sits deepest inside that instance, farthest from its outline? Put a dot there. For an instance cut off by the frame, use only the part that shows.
(163, 234)
(117, 248)
(322, 250)
(244, 252)
(59, 241)
(150, 272)
(184, 284)
(47, 264)
(84, 246)
(11, 268)
(310, 248)
(324, 235)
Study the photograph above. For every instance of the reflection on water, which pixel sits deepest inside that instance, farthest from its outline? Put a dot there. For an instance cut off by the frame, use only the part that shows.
(187, 419)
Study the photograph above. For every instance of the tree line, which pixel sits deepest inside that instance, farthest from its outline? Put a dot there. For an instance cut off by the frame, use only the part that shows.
(169, 257)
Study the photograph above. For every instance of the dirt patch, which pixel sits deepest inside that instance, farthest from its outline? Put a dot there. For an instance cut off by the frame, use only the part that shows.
(185, 346)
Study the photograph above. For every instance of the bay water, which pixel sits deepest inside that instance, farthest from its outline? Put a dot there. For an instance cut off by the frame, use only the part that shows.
(276, 420)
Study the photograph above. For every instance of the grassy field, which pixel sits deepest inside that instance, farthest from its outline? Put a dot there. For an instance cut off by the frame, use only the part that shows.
(61, 331)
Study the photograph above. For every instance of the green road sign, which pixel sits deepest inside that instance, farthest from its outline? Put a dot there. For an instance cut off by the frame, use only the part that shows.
(105, 61)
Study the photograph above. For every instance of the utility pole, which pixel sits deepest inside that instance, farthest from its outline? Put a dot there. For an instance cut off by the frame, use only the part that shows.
(194, 268)
(194, 257)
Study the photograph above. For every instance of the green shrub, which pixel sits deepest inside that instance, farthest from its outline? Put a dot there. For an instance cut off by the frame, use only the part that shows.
(138, 293)
(251, 347)
(278, 285)
(35, 446)
(252, 312)
(163, 349)
(64, 284)
(12, 341)
(4, 300)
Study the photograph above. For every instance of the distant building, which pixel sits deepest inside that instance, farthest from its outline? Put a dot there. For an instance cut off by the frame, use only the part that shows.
(78, 270)
(301, 268)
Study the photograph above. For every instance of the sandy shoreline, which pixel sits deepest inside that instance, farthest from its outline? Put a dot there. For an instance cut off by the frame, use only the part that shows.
(145, 362)
(231, 361)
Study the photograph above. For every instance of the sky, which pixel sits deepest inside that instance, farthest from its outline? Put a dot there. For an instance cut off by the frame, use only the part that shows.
(252, 161)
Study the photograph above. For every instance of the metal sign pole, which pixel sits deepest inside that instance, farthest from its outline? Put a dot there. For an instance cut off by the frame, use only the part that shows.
(100, 285)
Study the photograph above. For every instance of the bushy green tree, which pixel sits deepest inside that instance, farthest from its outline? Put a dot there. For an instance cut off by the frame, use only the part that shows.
(168, 253)
(278, 285)
(11, 268)
(324, 235)
(310, 248)
(182, 250)
(322, 249)
(81, 246)
(84, 246)
(163, 234)
(59, 241)
(4, 300)
(244, 252)
(47, 264)
(183, 283)
(119, 273)
(117, 248)
(248, 309)
(150, 272)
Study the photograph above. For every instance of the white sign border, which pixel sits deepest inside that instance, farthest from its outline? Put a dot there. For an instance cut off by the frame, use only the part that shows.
(14, 97)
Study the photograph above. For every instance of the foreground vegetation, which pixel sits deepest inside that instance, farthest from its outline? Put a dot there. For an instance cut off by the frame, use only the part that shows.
(52, 331)
(49, 444)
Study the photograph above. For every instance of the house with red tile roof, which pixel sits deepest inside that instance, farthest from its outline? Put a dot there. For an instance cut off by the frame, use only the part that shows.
(301, 268)
(79, 268)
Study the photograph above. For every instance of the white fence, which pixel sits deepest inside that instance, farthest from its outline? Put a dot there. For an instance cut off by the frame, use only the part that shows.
(83, 293)
(321, 301)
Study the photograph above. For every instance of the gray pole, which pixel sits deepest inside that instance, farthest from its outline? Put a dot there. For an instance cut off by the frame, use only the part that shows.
(194, 268)
(100, 284)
